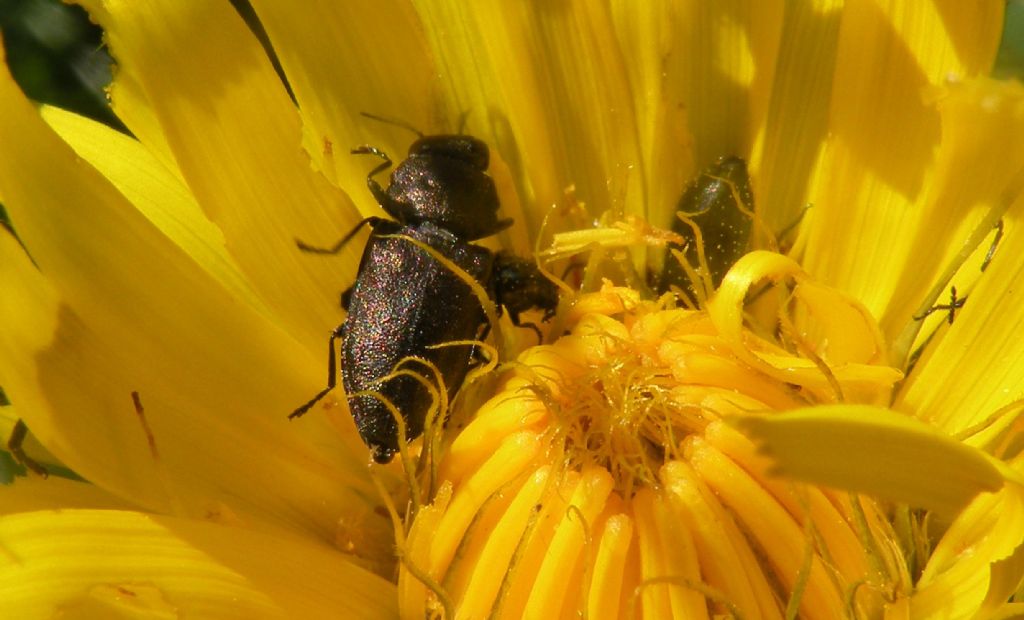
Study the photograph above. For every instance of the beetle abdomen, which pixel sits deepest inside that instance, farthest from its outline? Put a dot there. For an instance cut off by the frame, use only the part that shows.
(405, 302)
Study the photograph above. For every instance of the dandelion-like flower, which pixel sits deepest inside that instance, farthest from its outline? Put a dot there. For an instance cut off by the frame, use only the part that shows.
(826, 424)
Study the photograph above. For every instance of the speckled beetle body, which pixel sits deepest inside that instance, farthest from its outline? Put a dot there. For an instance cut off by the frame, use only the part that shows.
(405, 302)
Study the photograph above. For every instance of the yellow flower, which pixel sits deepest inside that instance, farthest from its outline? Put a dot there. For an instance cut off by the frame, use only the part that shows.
(802, 441)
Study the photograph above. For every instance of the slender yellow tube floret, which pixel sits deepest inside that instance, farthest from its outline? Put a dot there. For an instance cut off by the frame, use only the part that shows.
(604, 479)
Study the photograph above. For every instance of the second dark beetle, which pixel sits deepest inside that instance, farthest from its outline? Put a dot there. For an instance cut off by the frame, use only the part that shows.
(721, 203)
(405, 303)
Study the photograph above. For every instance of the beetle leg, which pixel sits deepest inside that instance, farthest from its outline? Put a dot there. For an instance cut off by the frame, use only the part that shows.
(346, 298)
(536, 330)
(478, 357)
(485, 332)
(514, 317)
(476, 354)
(955, 303)
(332, 367)
(995, 243)
(334, 249)
(378, 192)
(15, 445)
(463, 117)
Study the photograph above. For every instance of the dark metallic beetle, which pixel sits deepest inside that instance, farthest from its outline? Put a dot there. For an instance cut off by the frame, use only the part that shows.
(405, 302)
(710, 201)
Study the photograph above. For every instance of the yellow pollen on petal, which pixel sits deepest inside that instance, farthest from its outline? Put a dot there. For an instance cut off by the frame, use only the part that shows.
(603, 480)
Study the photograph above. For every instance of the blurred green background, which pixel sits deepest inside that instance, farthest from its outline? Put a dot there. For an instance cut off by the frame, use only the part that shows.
(57, 55)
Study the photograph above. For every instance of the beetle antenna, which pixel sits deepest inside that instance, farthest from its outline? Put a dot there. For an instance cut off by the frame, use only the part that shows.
(463, 117)
(393, 121)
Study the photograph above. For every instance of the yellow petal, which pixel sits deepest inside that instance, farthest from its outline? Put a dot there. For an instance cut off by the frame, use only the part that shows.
(559, 79)
(54, 493)
(883, 138)
(711, 64)
(156, 192)
(131, 105)
(9, 469)
(650, 37)
(106, 563)
(867, 382)
(1004, 582)
(978, 174)
(236, 137)
(121, 309)
(973, 371)
(1008, 611)
(958, 579)
(344, 58)
(701, 77)
(785, 160)
(876, 451)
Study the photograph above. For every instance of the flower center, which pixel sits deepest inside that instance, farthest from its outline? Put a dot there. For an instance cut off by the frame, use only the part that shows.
(604, 474)
(647, 381)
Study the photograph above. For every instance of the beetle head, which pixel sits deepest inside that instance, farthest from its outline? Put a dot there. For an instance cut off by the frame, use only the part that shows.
(444, 181)
(464, 148)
